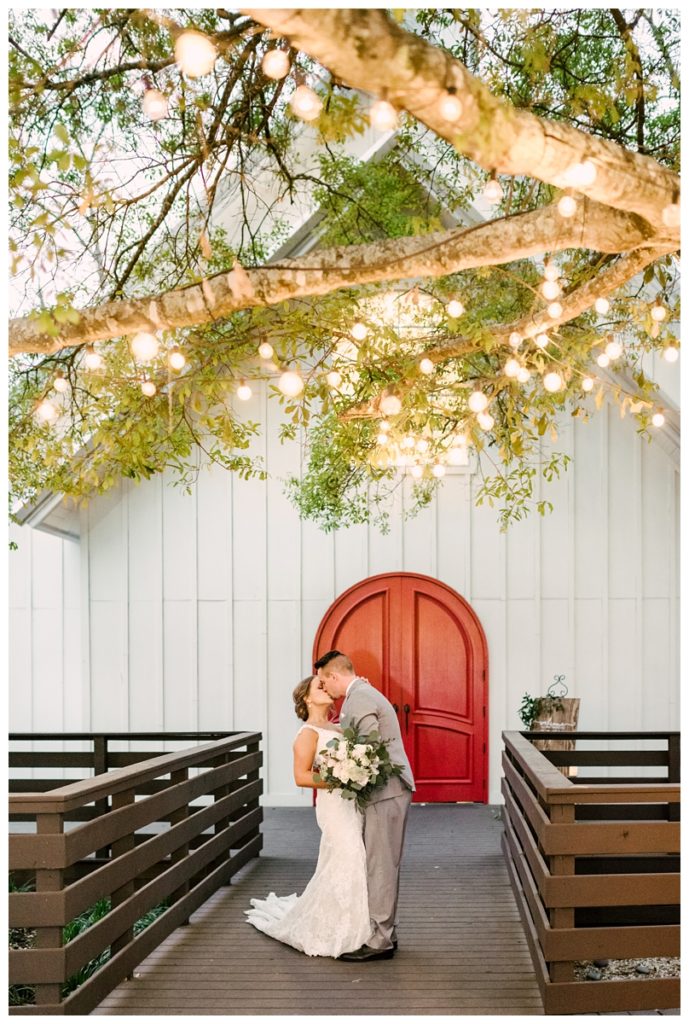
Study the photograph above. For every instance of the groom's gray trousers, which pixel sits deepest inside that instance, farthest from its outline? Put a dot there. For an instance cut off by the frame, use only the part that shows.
(385, 822)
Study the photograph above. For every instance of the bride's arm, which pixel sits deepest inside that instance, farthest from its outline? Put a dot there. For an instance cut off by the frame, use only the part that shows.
(305, 747)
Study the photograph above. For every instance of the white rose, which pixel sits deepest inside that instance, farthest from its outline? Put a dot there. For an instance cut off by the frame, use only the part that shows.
(359, 750)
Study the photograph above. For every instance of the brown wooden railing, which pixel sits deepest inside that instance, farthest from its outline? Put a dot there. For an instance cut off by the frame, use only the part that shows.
(594, 865)
(164, 829)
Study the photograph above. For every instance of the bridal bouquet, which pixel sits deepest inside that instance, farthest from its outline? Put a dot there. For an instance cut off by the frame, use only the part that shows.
(356, 765)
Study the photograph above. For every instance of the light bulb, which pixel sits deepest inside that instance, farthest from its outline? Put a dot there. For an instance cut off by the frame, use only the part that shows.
(601, 306)
(383, 116)
(555, 310)
(523, 375)
(438, 470)
(422, 445)
(542, 340)
(359, 331)
(670, 354)
(46, 412)
(455, 308)
(671, 215)
(390, 405)
(416, 472)
(658, 312)
(92, 360)
(477, 401)
(305, 103)
(275, 64)
(550, 289)
(265, 350)
(581, 175)
(492, 193)
(450, 107)
(587, 384)
(382, 439)
(603, 360)
(334, 379)
(244, 392)
(291, 384)
(515, 339)
(384, 426)
(154, 105)
(457, 456)
(511, 367)
(407, 442)
(553, 381)
(485, 420)
(551, 272)
(613, 350)
(658, 419)
(148, 388)
(195, 53)
(176, 359)
(567, 206)
(61, 384)
(426, 366)
(144, 346)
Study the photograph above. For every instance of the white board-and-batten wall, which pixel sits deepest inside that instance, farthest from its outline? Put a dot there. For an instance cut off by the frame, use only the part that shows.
(199, 611)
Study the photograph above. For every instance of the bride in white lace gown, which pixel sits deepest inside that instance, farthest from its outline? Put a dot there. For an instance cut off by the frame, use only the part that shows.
(331, 916)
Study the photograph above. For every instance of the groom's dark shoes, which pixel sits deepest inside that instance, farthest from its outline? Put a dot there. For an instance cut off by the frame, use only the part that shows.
(368, 953)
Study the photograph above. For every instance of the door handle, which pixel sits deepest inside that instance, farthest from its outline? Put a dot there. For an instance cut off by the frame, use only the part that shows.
(407, 709)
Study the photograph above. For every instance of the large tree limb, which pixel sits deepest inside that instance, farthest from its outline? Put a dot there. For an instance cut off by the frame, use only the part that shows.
(446, 252)
(366, 49)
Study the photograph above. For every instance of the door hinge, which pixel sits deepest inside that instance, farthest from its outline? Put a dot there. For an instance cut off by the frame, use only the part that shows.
(484, 748)
(484, 710)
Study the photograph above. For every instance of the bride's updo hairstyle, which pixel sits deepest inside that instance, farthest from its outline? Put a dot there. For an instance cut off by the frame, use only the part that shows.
(299, 695)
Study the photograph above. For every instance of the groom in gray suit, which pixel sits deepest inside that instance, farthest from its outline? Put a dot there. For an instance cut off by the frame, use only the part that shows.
(385, 816)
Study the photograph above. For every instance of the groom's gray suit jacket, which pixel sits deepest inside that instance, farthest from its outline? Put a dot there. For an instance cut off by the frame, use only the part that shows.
(367, 709)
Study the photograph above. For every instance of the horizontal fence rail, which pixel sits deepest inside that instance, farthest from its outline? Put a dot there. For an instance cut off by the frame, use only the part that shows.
(144, 842)
(594, 865)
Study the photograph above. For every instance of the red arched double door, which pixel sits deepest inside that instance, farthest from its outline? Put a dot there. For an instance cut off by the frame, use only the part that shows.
(422, 645)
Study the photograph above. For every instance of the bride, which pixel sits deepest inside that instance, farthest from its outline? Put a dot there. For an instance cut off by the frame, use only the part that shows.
(331, 916)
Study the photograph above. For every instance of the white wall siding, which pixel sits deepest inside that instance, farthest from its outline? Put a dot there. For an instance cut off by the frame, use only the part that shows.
(201, 609)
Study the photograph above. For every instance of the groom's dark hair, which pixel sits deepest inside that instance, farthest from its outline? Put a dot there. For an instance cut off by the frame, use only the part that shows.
(325, 659)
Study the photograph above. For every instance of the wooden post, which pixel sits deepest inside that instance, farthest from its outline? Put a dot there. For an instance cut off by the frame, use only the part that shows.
(561, 917)
(673, 772)
(49, 880)
(100, 767)
(183, 851)
(254, 748)
(120, 846)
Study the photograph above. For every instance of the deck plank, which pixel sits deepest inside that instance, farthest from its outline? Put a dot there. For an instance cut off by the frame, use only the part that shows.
(462, 948)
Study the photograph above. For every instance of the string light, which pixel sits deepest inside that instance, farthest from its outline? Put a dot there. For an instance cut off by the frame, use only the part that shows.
(383, 116)
(61, 384)
(450, 106)
(291, 384)
(553, 381)
(438, 470)
(416, 472)
(485, 420)
(657, 419)
(407, 442)
(334, 379)
(603, 360)
(195, 53)
(390, 405)
(422, 445)
(581, 175)
(542, 340)
(457, 455)
(155, 104)
(144, 346)
(670, 354)
(46, 412)
(658, 312)
(244, 392)
(275, 64)
(359, 331)
(601, 306)
(515, 339)
(613, 350)
(92, 360)
(551, 272)
(426, 366)
(382, 439)
(512, 367)
(493, 193)
(148, 388)
(587, 384)
(671, 215)
(477, 401)
(555, 310)
(455, 308)
(567, 206)
(384, 426)
(305, 103)
(550, 289)
(176, 359)
(265, 350)
(523, 375)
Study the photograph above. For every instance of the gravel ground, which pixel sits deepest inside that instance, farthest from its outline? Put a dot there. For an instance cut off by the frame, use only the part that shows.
(627, 970)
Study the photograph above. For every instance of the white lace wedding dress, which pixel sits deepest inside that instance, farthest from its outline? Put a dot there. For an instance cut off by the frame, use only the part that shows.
(331, 915)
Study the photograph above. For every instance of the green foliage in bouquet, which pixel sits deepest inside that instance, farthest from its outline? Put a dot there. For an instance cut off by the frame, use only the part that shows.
(356, 765)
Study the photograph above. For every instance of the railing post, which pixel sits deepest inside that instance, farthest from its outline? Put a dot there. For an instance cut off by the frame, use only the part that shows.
(254, 748)
(100, 767)
(561, 917)
(673, 772)
(120, 846)
(49, 880)
(183, 851)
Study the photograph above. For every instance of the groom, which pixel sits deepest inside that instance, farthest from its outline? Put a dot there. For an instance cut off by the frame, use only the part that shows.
(385, 816)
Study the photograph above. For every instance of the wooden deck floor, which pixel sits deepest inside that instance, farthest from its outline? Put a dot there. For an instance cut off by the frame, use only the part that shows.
(462, 948)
